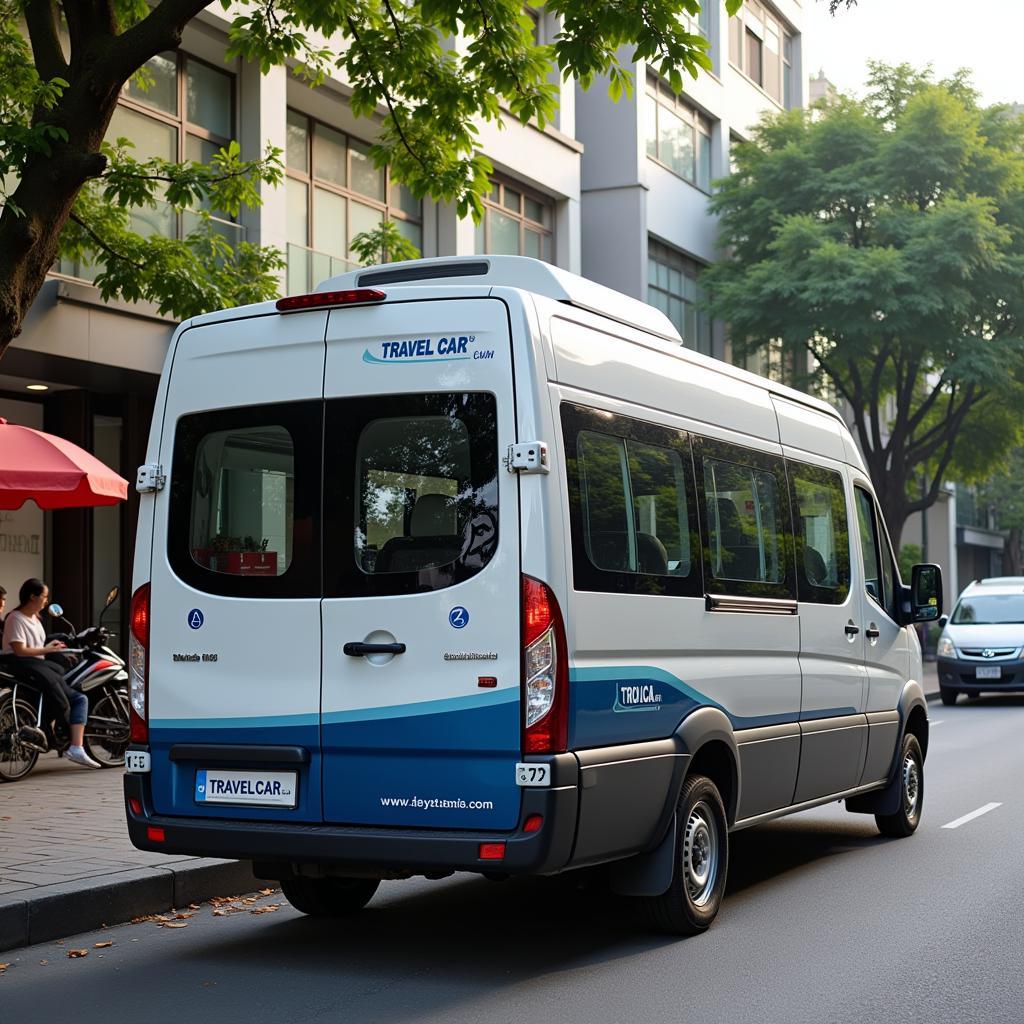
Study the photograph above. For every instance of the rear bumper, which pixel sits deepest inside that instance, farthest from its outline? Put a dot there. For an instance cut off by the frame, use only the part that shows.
(368, 849)
(958, 674)
(602, 804)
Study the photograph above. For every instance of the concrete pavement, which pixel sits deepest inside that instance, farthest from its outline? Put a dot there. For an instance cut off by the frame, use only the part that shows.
(66, 864)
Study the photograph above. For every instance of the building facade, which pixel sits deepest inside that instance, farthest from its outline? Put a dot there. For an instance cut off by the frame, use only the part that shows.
(649, 161)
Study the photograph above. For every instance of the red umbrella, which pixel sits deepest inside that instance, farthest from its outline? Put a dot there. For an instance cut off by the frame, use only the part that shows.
(53, 472)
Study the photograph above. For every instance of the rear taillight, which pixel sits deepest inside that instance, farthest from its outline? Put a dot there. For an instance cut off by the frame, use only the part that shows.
(317, 300)
(138, 665)
(545, 672)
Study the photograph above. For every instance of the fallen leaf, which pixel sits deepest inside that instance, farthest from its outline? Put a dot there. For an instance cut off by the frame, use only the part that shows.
(103, 945)
(183, 914)
(220, 913)
(266, 892)
(173, 924)
(3, 967)
(43, 963)
(75, 954)
(268, 909)
(193, 906)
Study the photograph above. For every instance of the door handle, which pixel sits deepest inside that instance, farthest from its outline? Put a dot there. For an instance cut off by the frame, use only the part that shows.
(872, 632)
(851, 629)
(360, 649)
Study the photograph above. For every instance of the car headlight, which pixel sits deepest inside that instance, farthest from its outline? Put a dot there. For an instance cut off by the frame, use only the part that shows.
(946, 648)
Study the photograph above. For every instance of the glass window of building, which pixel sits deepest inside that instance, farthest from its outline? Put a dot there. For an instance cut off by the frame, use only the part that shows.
(672, 287)
(179, 109)
(516, 222)
(334, 193)
(762, 48)
(678, 135)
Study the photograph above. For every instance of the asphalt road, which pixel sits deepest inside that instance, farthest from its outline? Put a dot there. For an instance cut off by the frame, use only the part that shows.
(824, 922)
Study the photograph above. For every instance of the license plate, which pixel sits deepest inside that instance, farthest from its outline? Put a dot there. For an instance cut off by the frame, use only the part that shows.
(989, 672)
(528, 774)
(137, 761)
(251, 788)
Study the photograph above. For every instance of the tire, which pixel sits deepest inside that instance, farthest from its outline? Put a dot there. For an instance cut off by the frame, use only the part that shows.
(905, 821)
(16, 760)
(948, 696)
(692, 901)
(107, 750)
(329, 897)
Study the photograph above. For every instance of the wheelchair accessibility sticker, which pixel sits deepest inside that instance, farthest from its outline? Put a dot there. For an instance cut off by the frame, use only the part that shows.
(458, 617)
(195, 619)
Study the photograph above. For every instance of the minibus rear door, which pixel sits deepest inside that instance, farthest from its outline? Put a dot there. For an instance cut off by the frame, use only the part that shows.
(421, 662)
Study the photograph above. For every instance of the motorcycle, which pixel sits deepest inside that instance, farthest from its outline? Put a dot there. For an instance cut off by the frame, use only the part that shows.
(99, 673)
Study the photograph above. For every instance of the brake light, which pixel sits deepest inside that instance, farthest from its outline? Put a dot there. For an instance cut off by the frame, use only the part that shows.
(317, 300)
(138, 665)
(545, 671)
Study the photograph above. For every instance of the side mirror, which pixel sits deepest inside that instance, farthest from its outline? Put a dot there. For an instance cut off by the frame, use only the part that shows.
(926, 593)
(111, 597)
(943, 619)
(56, 611)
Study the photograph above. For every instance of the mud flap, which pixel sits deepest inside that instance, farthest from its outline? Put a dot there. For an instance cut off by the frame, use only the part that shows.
(647, 874)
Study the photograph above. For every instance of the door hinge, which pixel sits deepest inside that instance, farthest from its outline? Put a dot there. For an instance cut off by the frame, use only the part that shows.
(149, 478)
(527, 457)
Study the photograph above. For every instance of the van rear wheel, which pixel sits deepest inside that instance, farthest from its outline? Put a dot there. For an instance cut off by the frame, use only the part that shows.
(329, 897)
(691, 902)
(905, 821)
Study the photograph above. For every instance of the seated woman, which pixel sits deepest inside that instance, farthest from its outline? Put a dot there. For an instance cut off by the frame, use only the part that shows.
(25, 637)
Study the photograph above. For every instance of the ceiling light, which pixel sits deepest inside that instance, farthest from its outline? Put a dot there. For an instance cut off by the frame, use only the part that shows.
(38, 387)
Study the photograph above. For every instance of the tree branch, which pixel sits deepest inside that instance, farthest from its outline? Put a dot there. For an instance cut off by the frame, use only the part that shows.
(160, 30)
(41, 19)
(107, 248)
(394, 21)
(387, 97)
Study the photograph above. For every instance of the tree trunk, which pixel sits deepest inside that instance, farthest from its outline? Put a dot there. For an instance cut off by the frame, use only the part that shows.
(1012, 553)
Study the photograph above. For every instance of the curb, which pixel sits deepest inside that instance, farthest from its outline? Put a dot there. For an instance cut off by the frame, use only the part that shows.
(56, 911)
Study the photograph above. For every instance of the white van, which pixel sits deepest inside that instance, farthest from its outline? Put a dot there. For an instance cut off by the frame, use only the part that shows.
(467, 565)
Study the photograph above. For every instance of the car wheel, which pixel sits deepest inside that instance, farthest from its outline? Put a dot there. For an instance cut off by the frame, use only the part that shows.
(329, 897)
(905, 821)
(948, 696)
(690, 903)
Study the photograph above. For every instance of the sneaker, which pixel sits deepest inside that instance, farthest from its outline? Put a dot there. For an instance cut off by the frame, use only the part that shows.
(77, 755)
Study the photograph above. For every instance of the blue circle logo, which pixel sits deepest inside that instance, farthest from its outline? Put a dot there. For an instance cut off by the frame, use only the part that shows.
(458, 617)
(195, 619)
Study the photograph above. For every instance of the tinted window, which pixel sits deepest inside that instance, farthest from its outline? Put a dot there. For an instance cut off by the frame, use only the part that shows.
(245, 495)
(821, 532)
(412, 484)
(880, 575)
(746, 533)
(631, 497)
(744, 526)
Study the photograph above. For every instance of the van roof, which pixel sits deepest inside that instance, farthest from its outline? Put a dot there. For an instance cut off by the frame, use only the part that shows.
(996, 584)
(539, 278)
(512, 272)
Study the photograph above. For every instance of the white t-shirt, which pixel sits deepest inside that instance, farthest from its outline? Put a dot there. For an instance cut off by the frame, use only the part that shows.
(25, 629)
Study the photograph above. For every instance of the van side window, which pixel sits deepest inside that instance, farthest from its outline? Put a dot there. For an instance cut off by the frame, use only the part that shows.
(412, 491)
(747, 527)
(245, 498)
(632, 511)
(821, 533)
(879, 569)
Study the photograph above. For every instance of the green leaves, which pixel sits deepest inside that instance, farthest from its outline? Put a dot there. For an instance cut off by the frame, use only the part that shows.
(885, 240)
(385, 244)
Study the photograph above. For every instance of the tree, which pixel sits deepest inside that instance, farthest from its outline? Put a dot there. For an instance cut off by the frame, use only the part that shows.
(882, 243)
(436, 68)
(1005, 491)
(385, 244)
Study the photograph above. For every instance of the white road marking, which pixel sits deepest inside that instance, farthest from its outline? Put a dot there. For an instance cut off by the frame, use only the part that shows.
(970, 817)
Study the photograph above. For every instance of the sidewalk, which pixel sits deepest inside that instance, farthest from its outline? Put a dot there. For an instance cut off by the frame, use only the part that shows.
(67, 866)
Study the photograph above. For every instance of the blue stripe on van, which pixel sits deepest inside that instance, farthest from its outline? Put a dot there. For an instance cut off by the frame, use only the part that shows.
(597, 699)
(470, 702)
